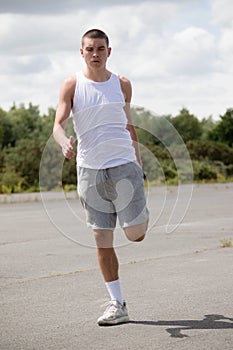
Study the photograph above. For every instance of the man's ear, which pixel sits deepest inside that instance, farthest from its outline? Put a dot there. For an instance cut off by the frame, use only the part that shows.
(81, 51)
(109, 51)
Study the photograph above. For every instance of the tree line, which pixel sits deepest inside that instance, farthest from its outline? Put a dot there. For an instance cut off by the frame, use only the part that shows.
(29, 153)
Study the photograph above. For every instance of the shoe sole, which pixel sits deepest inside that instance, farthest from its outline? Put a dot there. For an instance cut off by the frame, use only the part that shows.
(119, 320)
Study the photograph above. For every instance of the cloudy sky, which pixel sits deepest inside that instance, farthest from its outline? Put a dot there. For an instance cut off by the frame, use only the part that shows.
(177, 53)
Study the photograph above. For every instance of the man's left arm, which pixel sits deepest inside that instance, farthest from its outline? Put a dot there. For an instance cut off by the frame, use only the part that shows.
(127, 91)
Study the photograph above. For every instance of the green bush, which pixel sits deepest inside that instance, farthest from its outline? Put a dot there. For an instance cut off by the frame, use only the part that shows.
(11, 182)
(204, 171)
(210, 150)
(28, 150)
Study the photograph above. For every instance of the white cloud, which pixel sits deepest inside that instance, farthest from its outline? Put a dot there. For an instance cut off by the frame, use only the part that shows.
(226, 43)
(172, 58)
(191, 52)
(222, 11)
(43, 7)
(24, 64)
(34, 34)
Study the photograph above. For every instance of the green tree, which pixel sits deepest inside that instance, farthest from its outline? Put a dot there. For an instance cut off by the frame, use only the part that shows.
(143, 121)
(6, 132)
(153, 129)
(210, 150)
(208, 125)
(24, 160)
(1, 126)
(223, 132)
(25, 122)
(187, 125)
(45, 125)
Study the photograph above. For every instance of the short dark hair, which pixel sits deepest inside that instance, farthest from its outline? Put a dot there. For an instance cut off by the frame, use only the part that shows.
(95, 34)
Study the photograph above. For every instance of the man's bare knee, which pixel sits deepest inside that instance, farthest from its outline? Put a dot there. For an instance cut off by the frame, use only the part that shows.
(135, 237)
(140, 238)
(136, 233)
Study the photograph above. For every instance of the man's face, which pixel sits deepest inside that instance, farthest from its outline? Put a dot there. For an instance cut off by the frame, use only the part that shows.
(95, 52)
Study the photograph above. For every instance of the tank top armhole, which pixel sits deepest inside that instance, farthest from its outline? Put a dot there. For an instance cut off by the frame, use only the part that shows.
(119, 82)
(75, 93)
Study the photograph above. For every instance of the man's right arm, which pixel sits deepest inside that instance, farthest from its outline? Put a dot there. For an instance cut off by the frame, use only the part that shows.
(62, 115)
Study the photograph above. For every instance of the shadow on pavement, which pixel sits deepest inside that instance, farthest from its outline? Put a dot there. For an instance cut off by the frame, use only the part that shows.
(208, 322)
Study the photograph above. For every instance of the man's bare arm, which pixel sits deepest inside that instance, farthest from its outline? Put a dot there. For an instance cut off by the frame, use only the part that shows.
(62, 115)
(127, 91)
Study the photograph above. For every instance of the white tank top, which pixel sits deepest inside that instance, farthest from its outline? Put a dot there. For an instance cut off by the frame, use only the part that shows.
(100, 124)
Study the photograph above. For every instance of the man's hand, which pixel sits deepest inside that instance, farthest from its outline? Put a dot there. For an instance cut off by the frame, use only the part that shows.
(67, 148)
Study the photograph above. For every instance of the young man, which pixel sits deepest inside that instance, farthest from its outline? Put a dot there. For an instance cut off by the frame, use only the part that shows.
(110, 177)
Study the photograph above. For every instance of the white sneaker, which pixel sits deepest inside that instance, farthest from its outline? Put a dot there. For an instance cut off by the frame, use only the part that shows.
(114, 314)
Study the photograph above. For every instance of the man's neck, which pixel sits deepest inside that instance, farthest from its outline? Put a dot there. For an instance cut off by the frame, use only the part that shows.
(97, 75)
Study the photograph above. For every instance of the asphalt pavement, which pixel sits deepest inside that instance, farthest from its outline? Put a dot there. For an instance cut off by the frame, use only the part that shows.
(178, 282)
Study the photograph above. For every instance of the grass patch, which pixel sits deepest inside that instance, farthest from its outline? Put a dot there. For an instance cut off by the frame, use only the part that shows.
(226, 243)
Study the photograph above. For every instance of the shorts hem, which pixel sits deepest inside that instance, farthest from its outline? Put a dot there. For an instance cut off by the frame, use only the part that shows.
(94, 227)
(139, 222)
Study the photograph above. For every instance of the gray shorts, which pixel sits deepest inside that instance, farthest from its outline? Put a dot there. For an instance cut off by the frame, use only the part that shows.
(108, 194)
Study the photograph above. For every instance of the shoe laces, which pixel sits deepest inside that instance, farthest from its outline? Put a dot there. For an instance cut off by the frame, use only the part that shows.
(111, 305)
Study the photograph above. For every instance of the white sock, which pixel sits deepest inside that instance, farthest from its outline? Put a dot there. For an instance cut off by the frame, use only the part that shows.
(114, 290)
